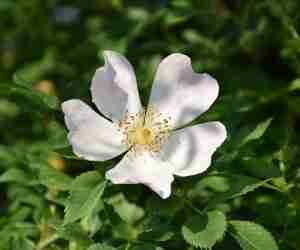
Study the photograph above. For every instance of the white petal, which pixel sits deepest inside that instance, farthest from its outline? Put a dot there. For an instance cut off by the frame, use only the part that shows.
(190, 149)
(114, 88)
(91, 136)
(179, 92)
(146, 169)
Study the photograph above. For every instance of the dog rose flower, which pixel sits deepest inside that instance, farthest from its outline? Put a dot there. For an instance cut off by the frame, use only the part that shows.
(156, 145)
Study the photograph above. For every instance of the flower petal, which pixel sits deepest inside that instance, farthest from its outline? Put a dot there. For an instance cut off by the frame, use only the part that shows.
(114, 88)
(180, 93)
(143, 168)
(91, 136)
(190, 149)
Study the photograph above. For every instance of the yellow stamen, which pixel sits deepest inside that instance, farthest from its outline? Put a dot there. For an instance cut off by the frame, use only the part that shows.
(145, 130)
(143, 136)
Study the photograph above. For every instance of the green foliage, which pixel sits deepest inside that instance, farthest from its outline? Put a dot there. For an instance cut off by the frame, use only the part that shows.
(101, 247)
(14, 175)
(251, 236)
(257, 132)
(203, 231)
(156, 228)
(85, 193)
(229, 186)
(129, 212)
(146, 246)
(52, 178)
(19, 90)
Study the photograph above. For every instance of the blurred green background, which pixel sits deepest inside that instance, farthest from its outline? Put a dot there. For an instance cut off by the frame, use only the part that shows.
(49, 51)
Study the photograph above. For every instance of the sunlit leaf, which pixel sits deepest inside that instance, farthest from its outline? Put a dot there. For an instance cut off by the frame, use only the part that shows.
(229, 186)
(203, 231)
(52, 178)
(85, 193)
(39, 99)
(251, 236)
(258, 132)
(128, 211)
(14, 175)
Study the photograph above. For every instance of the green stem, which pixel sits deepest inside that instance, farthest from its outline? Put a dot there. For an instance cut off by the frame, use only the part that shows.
(46, 242)
(128, 246)
(270, 186)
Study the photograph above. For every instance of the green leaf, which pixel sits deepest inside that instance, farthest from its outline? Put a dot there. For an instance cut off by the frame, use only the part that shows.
(251, 236)
(24, 229)
(101, 247)
(258, 132)
(205, 230)
(229, 186)
(295, 85)
(74, 233)
(260, 167)
(121, 229)
(22, 244)
(167, 208)
(20, 214)
(35, 71)
(53, 178)
(85, 193)
(66, 152)
(91, 223)
(158, 229)
(128, 211)
(39, 99)
(8, 156)
(14, 175)
(22, 194)
(58, 136)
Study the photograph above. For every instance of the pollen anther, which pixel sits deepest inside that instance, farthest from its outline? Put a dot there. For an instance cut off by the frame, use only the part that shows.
(145, 130)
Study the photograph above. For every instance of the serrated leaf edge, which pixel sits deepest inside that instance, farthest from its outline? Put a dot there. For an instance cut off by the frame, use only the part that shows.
(196, 243)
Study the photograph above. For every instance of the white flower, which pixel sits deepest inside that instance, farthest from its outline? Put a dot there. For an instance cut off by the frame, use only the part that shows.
(156, 148)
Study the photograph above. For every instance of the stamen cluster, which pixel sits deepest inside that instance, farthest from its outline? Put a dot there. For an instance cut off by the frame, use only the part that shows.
(145, 130)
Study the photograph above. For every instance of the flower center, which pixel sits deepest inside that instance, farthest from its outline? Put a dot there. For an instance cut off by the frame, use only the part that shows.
(145, 130)
(143, 136)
